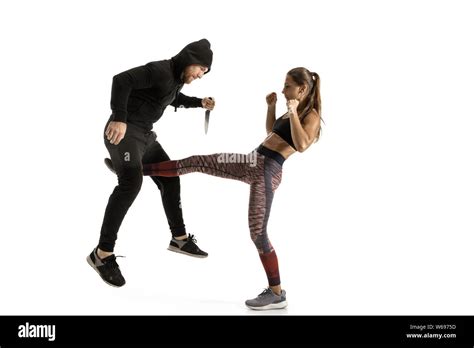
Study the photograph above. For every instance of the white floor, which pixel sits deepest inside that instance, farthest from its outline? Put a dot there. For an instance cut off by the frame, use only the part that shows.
(326, 270)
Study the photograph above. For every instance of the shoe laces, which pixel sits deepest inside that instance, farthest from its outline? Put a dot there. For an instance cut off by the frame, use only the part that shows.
(112, 263)
(192, 238)
(265, 292)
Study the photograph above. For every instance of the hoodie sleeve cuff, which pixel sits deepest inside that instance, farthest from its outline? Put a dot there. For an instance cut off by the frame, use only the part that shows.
(119, 116)
(192, 102)
(198, 102)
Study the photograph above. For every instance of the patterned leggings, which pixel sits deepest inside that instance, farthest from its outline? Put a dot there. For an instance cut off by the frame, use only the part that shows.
(261, 172)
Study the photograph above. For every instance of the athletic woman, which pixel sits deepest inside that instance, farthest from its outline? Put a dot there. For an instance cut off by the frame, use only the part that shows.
(295, 131)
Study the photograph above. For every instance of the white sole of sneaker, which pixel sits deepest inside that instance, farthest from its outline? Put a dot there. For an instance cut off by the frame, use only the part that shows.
(91, 263)
(178, 250)
(279, 305)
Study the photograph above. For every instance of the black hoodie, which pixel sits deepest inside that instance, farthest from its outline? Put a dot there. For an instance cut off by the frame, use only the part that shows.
(140, 95)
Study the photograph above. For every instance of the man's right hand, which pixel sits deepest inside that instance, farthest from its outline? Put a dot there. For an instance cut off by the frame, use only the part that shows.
(271, 99)
(115, 132)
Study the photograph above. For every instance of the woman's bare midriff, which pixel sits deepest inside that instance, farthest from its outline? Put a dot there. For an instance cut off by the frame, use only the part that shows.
(274, 142)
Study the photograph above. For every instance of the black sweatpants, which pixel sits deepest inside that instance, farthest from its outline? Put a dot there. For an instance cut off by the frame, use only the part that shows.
(138, 147)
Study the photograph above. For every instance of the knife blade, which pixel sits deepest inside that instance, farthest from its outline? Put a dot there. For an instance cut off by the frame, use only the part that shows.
(206, 120)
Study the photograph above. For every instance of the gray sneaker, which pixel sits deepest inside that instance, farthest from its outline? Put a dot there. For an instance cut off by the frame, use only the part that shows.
(268, 300)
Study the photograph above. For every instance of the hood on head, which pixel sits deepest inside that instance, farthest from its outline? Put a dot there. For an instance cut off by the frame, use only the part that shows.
(197, 52)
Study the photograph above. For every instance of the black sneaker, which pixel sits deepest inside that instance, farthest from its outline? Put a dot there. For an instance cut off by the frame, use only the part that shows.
(187, 246)
(107, 268)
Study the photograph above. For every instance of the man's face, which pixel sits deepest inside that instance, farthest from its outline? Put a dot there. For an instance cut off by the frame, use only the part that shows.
(193, 72)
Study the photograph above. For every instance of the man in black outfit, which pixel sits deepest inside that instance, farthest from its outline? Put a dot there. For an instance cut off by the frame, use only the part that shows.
(139, 98)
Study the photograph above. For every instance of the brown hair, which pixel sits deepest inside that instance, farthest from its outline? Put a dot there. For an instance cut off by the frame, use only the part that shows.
(303, 76)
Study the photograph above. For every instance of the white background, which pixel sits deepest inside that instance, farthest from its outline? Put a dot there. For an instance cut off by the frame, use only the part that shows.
(376, 218)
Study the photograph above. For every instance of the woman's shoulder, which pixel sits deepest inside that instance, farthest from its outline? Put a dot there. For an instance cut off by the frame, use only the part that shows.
(314, 112)
(311, 117)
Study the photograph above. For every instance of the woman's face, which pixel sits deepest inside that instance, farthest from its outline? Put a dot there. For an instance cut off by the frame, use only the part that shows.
(291, 90)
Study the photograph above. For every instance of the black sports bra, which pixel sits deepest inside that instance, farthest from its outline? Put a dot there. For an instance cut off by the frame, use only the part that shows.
(283, 129)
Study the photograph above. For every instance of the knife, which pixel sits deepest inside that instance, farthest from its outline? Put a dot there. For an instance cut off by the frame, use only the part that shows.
(206, 120)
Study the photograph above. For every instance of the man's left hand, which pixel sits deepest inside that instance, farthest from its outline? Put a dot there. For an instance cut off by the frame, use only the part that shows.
(208, 103)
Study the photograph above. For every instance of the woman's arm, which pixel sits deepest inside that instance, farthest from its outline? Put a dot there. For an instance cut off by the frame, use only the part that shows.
(271, 111)
(303, 135)
(270, 118)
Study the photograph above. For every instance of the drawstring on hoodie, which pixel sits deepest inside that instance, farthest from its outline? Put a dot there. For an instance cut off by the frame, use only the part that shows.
(176, 97)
